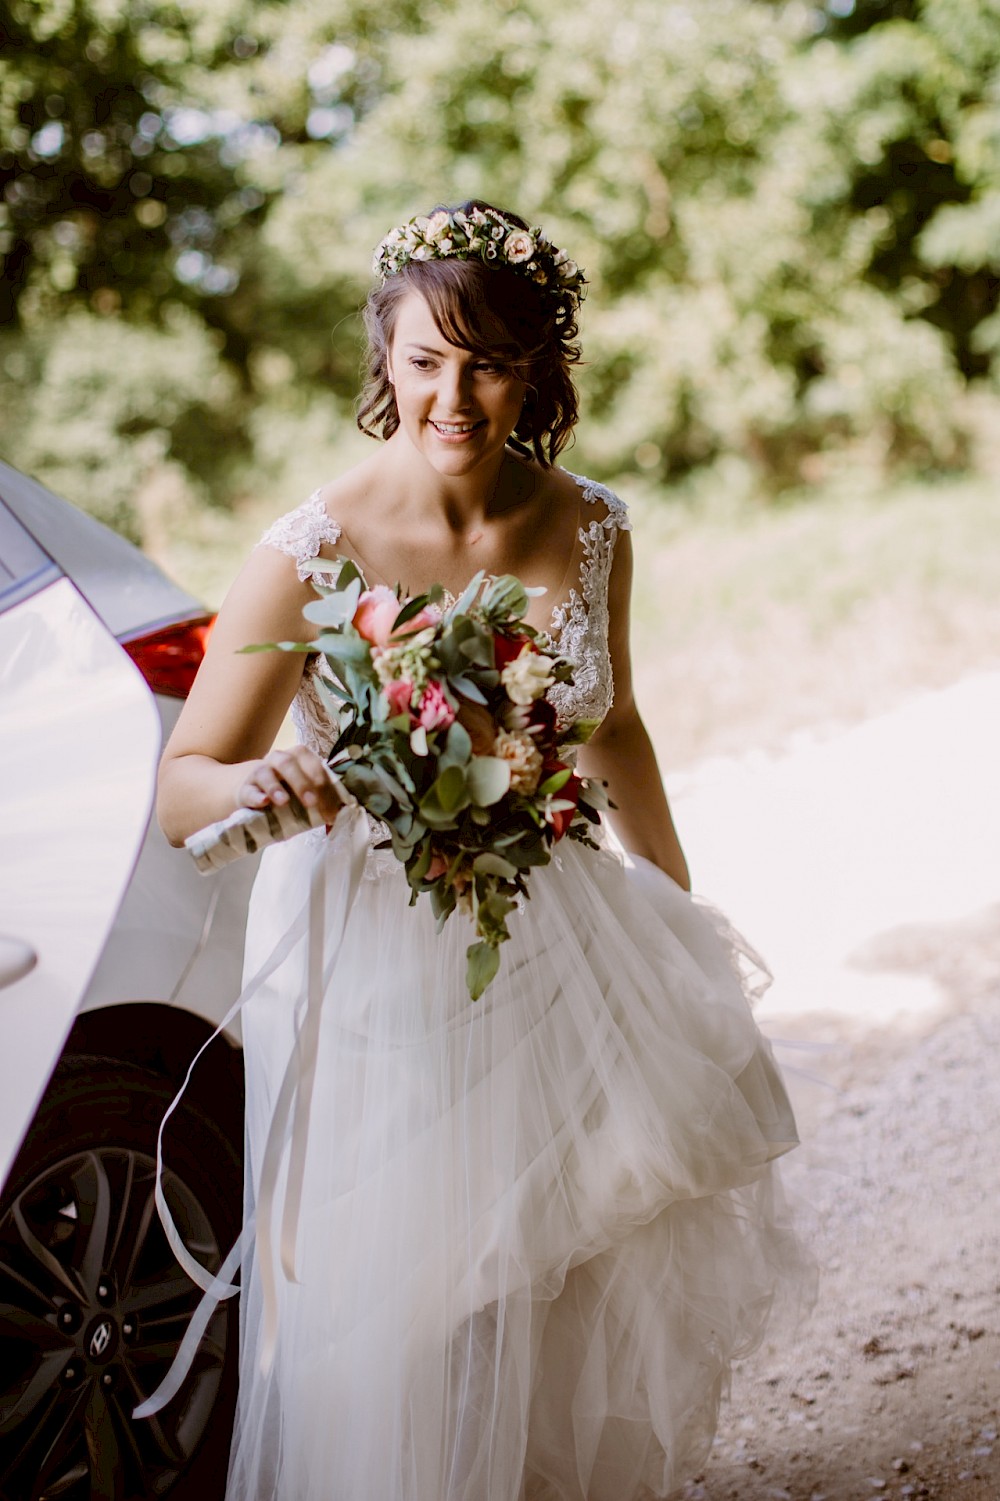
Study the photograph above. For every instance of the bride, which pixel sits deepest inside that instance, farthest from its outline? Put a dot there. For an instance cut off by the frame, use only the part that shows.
(535, 1230)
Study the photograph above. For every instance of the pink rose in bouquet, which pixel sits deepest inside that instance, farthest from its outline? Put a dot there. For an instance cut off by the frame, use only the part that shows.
(376, 615)
(435, 712)
(399, 695)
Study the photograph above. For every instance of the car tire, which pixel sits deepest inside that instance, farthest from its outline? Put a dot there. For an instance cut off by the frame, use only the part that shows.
(93, 1303)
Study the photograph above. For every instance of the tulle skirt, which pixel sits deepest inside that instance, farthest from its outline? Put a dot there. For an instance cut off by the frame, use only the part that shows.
(537, 1228)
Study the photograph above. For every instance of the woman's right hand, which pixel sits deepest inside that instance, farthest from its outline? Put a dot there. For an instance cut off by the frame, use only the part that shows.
(298, 770)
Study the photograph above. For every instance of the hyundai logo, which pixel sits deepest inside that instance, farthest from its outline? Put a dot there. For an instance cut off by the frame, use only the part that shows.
(100, 1339)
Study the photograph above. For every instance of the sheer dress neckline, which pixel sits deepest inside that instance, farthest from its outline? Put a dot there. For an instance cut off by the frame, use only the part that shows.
(322, 528)
(578, 627)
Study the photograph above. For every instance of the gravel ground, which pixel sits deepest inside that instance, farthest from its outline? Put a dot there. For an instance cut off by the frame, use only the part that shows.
(892, 1386)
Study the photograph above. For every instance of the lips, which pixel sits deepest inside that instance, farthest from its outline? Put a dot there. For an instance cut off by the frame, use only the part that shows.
(455, 431)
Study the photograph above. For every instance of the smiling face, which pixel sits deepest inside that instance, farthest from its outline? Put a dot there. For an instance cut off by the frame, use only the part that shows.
(457, 408)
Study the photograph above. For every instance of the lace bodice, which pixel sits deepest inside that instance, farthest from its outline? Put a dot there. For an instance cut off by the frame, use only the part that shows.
(578, 628)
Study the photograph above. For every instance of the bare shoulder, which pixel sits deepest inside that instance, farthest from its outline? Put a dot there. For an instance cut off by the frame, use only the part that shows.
(349, 495)
(270, 592)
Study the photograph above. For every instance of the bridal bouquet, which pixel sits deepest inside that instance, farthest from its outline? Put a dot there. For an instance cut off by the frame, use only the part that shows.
(447, 738)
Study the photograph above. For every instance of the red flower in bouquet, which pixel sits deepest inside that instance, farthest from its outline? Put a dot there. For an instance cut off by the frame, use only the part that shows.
(506, 648)
(559, 819)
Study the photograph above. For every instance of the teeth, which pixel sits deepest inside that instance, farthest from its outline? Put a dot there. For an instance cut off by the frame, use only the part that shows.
(454, 427)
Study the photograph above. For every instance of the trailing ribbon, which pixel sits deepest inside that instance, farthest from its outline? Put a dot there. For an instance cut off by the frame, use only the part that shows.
(342, 855)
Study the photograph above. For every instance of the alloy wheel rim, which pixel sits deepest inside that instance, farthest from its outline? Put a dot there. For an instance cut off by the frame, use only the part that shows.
(92, 1308)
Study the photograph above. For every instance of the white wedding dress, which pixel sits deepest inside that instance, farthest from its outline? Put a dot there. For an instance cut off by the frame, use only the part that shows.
(535, 1230)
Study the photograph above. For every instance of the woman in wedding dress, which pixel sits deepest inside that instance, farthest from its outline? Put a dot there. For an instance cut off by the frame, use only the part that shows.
(534, 1230)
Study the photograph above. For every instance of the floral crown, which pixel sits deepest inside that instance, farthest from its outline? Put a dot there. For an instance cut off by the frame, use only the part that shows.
(487, 235)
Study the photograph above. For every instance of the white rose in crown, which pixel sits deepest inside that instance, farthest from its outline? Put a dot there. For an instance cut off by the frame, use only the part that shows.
(519, 246)
(527, 677)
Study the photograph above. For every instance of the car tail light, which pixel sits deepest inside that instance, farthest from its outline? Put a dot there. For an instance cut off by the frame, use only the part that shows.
(169, 657)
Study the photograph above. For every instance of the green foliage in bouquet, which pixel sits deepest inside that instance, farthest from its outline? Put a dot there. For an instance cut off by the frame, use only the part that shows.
(446, 736)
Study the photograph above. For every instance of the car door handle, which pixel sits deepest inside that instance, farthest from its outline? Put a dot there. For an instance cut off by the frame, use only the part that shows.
(17, 959)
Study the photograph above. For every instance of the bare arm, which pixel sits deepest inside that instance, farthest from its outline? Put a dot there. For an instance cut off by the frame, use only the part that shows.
(621, 752)
(219, 756)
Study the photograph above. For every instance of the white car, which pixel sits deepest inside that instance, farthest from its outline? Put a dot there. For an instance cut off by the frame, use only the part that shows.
(116, 961)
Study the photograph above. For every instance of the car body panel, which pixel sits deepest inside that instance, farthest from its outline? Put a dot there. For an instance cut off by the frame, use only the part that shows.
(178, 936)
(77, 764)
(125, 588)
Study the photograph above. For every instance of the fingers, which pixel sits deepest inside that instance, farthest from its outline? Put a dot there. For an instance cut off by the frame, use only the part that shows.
(296, 770)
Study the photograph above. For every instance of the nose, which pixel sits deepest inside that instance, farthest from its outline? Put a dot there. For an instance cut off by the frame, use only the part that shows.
(455, 387)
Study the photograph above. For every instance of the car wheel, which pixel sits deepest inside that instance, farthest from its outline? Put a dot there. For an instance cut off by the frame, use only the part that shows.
(93, 1303)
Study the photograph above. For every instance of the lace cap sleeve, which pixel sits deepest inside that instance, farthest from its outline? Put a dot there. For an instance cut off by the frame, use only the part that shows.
(616, 517)
(301, 533)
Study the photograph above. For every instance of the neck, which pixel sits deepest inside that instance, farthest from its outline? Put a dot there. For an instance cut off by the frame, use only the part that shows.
(462, 502)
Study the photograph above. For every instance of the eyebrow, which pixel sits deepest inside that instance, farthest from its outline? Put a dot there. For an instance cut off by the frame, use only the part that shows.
(439, 349)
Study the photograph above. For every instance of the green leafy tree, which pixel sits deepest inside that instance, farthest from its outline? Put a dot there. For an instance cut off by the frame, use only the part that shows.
(789, 217)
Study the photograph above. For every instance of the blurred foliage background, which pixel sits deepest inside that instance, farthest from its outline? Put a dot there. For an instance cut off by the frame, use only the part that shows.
(790, 215)
(789, 212)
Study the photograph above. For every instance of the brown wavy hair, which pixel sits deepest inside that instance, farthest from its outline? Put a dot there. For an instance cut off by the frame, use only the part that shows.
(495, 313)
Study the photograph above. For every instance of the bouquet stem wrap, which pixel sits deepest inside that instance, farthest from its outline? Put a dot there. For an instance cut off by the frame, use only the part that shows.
(250, 830)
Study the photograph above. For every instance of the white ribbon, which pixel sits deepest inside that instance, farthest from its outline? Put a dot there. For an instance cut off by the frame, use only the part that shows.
(343, 855)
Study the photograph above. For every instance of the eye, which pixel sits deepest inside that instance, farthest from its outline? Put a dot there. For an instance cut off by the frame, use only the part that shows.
(490, 367)
(420, 362)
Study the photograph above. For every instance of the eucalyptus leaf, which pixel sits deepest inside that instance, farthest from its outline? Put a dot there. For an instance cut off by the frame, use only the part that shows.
(468, 689)
(341, 647)
(468, 595)
(366, 785)
(301, 646)
(445, 799)
(336, 609)
(419, 869)
(488, 779)
(349, 571)
(580, 732)
(483, 961)
(397, 792)
(505, 598)
(458, 747)
(491, 864)
(478, 649)
(332, 696)
(451, 789)
(555, 782)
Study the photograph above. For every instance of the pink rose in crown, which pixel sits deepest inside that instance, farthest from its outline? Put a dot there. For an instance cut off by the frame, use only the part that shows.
(376, 614)
(435, 711)
(399, 692)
